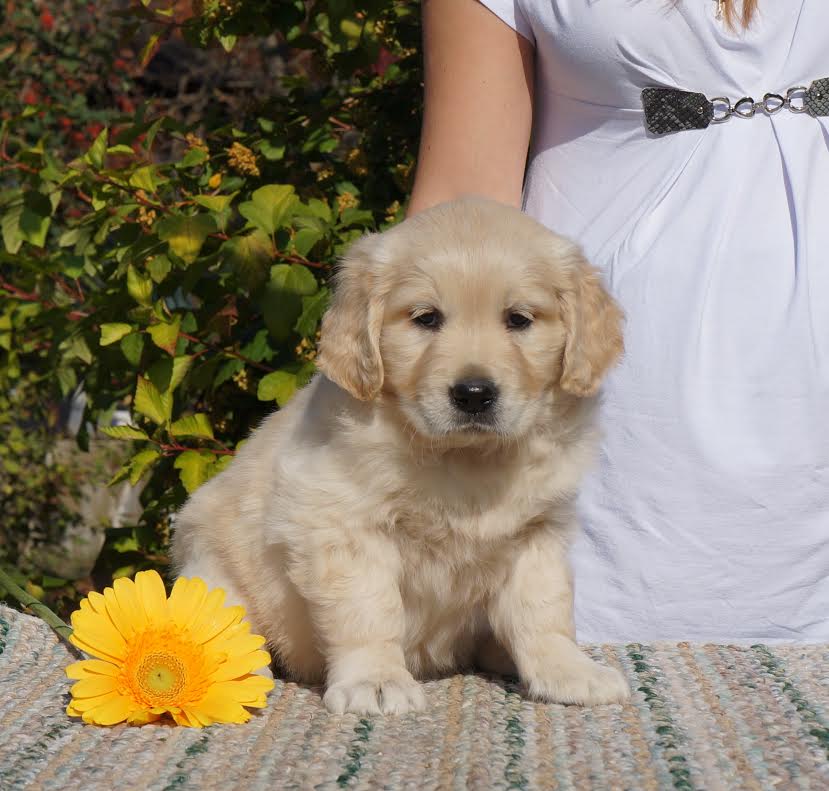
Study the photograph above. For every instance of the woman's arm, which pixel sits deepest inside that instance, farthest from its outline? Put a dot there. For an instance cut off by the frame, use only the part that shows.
(477, 107)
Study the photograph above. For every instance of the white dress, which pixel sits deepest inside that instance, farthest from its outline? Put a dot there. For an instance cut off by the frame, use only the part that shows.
(707, 517)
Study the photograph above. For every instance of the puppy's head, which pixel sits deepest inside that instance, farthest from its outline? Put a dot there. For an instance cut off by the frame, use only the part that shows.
(471, 317)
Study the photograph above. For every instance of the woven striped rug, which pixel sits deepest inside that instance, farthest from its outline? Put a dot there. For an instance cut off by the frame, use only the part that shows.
(702, 717)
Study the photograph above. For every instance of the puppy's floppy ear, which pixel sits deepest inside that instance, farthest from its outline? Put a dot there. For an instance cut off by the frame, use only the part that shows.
(593, 323)
(350, 335)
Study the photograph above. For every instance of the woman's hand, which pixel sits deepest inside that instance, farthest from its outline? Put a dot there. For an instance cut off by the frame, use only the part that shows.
(478, 106)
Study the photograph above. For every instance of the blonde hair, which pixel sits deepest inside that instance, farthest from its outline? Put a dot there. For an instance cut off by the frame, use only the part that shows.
(732, 16)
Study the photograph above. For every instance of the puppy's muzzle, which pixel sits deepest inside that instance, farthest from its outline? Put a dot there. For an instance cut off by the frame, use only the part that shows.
(474, 396)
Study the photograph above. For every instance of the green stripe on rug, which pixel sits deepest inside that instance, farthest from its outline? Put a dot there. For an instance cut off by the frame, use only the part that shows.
(4, 630)
(777, 668)
(33, 755)
(513, 701)
(356, 752)
(670, 735)
(191, 753)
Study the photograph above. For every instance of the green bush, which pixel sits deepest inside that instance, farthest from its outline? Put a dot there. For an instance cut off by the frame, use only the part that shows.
(180, 270)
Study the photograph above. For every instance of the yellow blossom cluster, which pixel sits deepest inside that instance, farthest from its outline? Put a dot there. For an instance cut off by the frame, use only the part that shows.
(346, 200)
(242, 160)
(194, 141)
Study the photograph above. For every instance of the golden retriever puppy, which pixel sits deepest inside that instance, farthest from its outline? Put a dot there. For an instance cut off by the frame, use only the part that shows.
(409, 512)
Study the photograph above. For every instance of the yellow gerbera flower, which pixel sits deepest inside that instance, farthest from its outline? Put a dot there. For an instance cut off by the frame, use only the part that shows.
(188, 656)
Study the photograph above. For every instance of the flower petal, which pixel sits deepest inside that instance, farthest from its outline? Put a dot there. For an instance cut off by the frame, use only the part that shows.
(238, 667)
(186, 599)
(250, 691)
(239, 645)
(93, 650)
(78, 706)
(142, 717)
(212, 624)
(152, 595)
(207, 613)
(93, 686)
(127, 594)
(110, 713)
(92, 667)
(222, 640)
(186, 718)
(216, 705)
(121, 619)
(98, 632)
(97, 601)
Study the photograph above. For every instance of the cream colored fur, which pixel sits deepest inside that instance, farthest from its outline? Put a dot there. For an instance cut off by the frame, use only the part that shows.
(372, 534)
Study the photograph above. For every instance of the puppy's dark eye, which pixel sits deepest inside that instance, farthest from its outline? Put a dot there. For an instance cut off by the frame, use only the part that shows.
(430, 320)
(518, 321)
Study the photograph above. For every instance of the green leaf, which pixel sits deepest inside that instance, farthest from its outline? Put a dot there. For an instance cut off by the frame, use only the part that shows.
(77, 347)
(159, 267)
(132, 346)
(125, 544)
(141, 462)
(227, 370)
(180, 367)
(120, 149)
(193, 466)
(197, 425)
(95, 155)
(313, 308)
(250, 256)
(150, 402)
(153, 131)
(227, 42)
(355, 216)
(218, 465)
(282, 301)
(124, 432)
(144, 178)
(119, 476)
(112, 333)
(269, 207)
(35, 218)
(167, 373)
(165, 336)
(67, 379)
(271, 152)
(215, 202)
(320, 209)
(278, 386)
(186, 234)
(195, 156)
(69, 237)
(10, 227)
(149, 49)
(258, 349)
(305, 239)
(140, 287)
(294, 279)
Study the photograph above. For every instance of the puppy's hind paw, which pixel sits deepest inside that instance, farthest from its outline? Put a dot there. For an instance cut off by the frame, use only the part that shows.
(585, 683)
(392, 696)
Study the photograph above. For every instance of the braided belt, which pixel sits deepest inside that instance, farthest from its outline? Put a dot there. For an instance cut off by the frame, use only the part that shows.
(671, 110)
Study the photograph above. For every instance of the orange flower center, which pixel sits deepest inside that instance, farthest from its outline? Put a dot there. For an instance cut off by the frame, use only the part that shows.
(163, 668)
(161, 676)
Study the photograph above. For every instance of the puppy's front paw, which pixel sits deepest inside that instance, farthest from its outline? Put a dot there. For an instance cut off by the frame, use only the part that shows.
(375, 696)
(586, 683)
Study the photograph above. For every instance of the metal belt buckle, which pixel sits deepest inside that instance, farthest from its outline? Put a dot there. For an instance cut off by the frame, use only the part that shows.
(672, 110)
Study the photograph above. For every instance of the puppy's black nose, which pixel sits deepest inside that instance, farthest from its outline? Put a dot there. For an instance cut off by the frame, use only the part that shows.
(474, 396)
